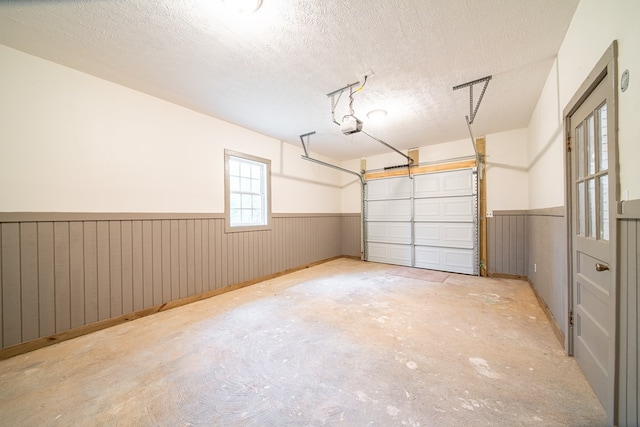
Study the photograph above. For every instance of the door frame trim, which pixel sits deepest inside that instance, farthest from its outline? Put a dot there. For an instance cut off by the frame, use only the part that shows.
(605, 68)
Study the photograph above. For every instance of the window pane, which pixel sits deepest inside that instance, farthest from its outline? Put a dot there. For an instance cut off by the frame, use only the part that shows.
(603, 145)
(256, 171)
(246, 201)
(235, 216)
(234, 201)
(234, 167)
(246, 216)
(591, 190)
(257, 202)
(234, 183)
(245, 185)
(580, 147)
(245, 169)
(604, 207)
(255, 186)
(591, 149)
(581, 209)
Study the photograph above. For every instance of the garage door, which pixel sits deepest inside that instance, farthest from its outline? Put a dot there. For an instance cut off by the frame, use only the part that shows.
(427, 221)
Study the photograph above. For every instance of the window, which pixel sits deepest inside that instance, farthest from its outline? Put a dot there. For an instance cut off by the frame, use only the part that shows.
(247, 188)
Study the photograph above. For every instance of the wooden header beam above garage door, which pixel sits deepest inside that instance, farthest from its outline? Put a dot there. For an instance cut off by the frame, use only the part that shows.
(440, 167)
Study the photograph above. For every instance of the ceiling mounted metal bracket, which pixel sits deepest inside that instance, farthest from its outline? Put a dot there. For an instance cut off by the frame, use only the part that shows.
(473, 108)
(334, 101)
(305, 156)
(334, 104)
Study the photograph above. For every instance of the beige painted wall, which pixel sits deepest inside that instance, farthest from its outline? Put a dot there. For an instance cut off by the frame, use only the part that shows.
(593, 28)
(71, 142)
(507, 177)
(595, 25)
(507, 171)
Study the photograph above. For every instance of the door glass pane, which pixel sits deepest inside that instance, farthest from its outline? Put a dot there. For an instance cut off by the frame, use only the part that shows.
(591, 149)
(604, 207)
(591, 196)
(603, 143)
(580, 148)
(581, 209)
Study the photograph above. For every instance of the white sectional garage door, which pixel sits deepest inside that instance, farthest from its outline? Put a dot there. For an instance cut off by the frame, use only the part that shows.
(428, 221)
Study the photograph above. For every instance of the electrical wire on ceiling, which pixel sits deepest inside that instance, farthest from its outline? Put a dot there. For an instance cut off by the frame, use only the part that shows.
(351, 93)
(350, 123)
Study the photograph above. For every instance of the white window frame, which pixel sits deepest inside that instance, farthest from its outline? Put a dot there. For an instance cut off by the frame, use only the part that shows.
(264, 193)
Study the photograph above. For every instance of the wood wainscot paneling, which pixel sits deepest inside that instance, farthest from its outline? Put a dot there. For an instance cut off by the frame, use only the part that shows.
(628, 349)
(63, 275)
(531, 245)
(507, 244)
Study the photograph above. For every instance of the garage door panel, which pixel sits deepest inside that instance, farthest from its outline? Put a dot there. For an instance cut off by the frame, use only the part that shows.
(389, 210)
(389, 253)
(445, 259)
(389, 232)
(445, 209)
(427, 222)
(453, 183)
(452, 235)
(391, 188)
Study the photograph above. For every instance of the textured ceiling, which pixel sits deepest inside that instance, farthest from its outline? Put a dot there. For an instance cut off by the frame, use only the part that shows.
(271, 71)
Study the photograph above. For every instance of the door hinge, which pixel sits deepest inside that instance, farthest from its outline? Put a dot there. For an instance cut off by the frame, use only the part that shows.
(570, 318)
(569, 144)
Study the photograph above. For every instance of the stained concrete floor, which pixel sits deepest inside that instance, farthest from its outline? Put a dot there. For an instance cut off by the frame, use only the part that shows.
(343, 343)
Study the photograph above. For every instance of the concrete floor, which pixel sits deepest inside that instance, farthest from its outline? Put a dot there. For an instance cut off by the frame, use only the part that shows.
(342, 343)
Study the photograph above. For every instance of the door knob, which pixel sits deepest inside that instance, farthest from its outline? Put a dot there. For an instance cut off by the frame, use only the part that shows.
(602, 267)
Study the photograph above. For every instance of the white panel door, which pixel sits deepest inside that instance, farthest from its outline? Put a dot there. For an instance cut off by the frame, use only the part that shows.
(389, 188)
(429, 221)
(389, 232)
(452, 235)
(454, 183)
(445, 209)
(389, 210)
(445, 259)
(388, 226)
(389, 254)
(445, 217)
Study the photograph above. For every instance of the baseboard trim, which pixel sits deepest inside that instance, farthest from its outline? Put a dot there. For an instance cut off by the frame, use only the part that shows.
(38, 343)
(552, 320)
(507, 276)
